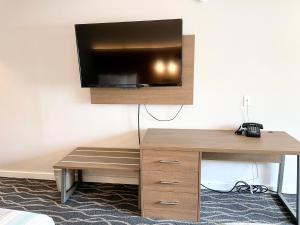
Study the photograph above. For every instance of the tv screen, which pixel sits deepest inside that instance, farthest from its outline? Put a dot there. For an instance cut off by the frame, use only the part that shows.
(130, 54)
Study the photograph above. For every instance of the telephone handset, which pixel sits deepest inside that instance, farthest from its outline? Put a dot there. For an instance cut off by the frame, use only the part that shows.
(250, 129)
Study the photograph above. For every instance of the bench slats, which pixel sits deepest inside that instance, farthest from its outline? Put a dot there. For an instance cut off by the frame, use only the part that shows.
(108, 154)
(101, 158)
(108, 149)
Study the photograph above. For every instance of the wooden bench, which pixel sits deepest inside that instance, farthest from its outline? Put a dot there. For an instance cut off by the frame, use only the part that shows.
(115, 160)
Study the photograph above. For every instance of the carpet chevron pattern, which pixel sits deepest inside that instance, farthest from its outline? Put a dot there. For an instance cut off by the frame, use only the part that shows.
(117, 205)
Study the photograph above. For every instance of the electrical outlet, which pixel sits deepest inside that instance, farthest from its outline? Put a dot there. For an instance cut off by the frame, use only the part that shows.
(246, 100)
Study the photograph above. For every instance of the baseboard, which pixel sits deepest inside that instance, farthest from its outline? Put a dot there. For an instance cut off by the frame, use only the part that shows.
(27, 174)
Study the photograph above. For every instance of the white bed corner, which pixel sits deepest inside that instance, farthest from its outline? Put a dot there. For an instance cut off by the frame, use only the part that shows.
(15, 217)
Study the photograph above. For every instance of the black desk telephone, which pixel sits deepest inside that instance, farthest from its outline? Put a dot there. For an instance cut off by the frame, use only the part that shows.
(250, 129)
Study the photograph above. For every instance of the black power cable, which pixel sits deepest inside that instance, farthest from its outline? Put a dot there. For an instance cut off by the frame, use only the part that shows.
(160, 120)
(242, 187)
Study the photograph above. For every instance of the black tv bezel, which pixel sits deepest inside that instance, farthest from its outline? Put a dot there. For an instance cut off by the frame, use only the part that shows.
(179, 83)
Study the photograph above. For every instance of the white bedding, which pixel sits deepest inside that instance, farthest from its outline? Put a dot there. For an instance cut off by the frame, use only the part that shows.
(14, 217)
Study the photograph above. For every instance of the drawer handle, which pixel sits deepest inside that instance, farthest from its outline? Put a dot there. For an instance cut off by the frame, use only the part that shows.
(168, 202)
(170, 161)
(169, 182)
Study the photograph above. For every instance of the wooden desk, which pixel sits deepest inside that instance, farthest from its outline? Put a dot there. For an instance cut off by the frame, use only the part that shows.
(171, 165)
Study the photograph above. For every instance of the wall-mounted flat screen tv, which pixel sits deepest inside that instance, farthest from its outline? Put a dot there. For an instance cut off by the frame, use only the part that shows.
(130, 54)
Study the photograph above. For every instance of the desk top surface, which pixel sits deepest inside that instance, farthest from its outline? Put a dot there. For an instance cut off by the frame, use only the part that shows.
(224, 141)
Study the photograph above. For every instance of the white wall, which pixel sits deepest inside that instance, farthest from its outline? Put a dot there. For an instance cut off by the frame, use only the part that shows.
(248, 47)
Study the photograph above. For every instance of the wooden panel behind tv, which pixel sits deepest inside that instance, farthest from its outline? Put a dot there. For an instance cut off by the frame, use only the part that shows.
(181, 95)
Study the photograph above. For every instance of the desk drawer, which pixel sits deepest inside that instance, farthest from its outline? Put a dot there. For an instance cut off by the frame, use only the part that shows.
(187, 182)
(170, 205)
(170, 161)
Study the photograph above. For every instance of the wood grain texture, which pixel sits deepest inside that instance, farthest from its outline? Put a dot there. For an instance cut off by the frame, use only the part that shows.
(186, 207)
(182, 95)
(171, 181)
(175, 180)
(168, 214)
(219, 141)
(101, 158)
(237, 157)
(163, 161)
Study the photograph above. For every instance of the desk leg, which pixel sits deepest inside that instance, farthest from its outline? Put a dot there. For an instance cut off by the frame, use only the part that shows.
(199, 187)
(294, 213)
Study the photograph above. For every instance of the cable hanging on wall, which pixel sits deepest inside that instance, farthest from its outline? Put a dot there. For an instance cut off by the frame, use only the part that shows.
(154, 117)
(163, 120)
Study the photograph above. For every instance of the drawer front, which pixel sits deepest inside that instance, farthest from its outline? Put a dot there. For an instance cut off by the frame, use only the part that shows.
(170, 215)
(170, 161)
(170, 205)
(187, 182)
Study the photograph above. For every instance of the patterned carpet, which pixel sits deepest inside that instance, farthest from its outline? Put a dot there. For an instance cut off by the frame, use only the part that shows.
(117, 205)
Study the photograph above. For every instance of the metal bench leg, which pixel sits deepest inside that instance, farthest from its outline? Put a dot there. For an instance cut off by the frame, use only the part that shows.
(66, 194)
(63, 187)
(79, 176)
(280, 174)
(294, 213)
